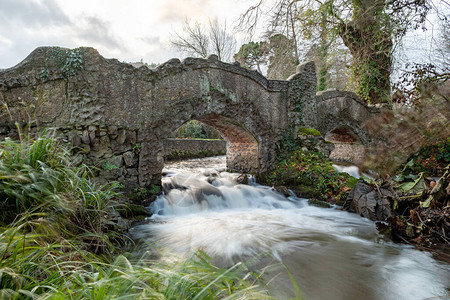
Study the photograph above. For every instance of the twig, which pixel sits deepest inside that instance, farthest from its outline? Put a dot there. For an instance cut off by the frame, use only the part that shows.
(431, 229)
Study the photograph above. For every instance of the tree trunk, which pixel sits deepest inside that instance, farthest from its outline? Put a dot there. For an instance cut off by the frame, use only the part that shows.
(369, 40)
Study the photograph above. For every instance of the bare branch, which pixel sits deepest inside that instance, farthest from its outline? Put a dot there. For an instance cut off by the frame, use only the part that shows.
(198, 40)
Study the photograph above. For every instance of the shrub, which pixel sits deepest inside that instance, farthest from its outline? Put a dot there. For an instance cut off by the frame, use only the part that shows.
(312, 172)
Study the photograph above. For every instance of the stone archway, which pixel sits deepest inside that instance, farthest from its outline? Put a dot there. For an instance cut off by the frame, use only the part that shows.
(348, 146)
(242, 146)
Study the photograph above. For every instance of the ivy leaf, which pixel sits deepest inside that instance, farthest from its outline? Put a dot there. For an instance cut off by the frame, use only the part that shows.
(416, 187)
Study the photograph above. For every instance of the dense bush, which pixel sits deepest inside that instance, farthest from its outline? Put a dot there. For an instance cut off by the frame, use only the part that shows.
(430, 159)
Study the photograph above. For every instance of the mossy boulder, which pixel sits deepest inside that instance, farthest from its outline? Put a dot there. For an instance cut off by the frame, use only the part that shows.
(319, 203)
(307, 191)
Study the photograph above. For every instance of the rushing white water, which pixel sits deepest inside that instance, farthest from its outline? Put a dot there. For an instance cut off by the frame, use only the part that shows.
(351, 170)
(332, 254)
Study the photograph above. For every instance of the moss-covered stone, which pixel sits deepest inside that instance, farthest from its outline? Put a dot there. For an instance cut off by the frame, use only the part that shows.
(307, 191)
(319, 203)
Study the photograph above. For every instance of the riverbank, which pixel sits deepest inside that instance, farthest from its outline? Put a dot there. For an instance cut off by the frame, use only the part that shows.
(411, 205)
(177, 149)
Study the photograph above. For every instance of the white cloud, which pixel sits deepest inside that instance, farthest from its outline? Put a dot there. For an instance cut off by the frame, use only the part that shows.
(5, 42)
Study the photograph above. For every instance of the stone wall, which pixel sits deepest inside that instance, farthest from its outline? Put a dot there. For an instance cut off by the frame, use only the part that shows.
(348, 152)
(112, 152)
(191, 148)
(241, 156)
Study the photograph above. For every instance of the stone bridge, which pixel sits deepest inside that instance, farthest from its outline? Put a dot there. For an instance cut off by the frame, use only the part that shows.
(118, 115)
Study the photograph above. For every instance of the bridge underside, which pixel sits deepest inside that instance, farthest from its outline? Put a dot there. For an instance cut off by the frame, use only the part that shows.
(348, 147)
(242, 147)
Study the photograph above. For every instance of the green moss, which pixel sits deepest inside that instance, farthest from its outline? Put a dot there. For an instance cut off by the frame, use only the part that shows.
(307, 131)
(307, 191)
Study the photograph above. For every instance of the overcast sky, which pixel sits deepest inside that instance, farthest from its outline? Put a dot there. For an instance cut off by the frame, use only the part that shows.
(129, 30)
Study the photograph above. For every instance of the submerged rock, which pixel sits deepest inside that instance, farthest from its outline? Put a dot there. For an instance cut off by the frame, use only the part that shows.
(369, 202)
(318, 203)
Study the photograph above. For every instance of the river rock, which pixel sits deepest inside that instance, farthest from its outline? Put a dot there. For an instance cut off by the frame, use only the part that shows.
(283, 190)
(369, 202)
(242, 179)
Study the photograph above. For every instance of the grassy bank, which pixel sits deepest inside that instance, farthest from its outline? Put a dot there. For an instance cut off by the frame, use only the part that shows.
(58, 239)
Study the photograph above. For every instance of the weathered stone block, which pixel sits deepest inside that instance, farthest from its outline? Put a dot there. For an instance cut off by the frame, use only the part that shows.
(115, 161)
(128, 157)
(112, 130)
(122, 136)
(74, 139)
(131, 137)
(119, 149)
(95, 142)
(104, 140)
(92, 137)
(85, 137)
(132, 172)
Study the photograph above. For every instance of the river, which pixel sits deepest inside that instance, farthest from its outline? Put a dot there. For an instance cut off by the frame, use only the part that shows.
(331, 254)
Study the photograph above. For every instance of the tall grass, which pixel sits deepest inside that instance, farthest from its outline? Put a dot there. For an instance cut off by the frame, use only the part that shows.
(54, 242)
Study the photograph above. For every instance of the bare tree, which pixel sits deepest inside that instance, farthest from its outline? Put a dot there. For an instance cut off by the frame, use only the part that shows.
(201, 41)
(223, 44)
(194, 40)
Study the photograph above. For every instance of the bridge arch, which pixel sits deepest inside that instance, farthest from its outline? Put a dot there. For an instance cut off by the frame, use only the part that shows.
(249, 111)
(342, 120)
(344, 110)
(347, 145)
